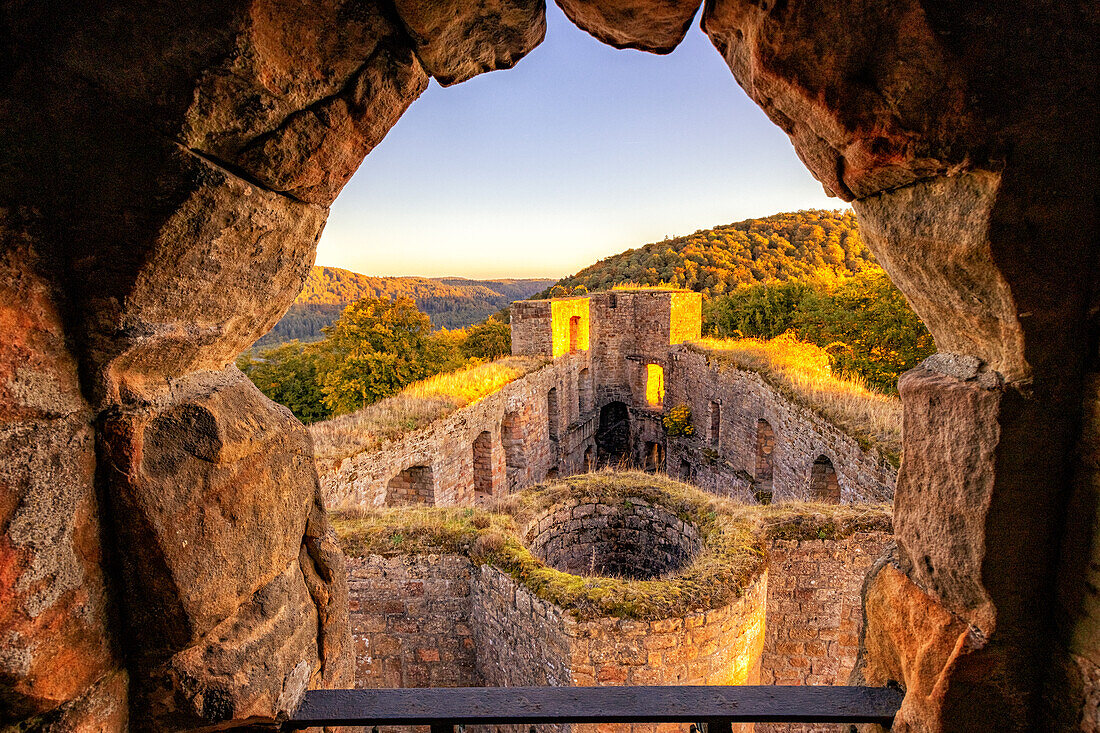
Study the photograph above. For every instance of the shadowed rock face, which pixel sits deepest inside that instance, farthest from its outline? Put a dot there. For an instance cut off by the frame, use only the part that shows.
(166, 173)
(647, 25)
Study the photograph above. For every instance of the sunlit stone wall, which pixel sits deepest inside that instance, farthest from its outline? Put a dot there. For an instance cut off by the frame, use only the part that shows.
(729, 464)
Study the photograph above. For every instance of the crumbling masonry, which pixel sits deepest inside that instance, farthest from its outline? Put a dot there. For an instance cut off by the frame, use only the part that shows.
(620, 359)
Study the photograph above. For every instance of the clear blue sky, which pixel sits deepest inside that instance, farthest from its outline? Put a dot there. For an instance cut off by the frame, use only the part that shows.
(579, 152)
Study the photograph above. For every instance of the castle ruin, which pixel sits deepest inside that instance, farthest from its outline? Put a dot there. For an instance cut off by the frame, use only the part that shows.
(618, 361)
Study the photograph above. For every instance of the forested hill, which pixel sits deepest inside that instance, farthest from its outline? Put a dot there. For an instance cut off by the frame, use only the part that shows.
(801, 245)
(451, 302)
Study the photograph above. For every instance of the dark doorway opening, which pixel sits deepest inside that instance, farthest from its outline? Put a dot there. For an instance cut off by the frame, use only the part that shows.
(654, 457)
(613, 435)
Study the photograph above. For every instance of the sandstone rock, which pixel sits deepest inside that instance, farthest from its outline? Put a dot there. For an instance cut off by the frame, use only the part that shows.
(215, 496)
(1073, 688)
(910, 640)
(314, 152)
(54, 637)
(103, 708)
(456, 40)
(934, 240)
(211, 489)
(945, 488)
(869, 93)
(225, 243)
(252, 666)
(657, 26)
(283, 59)
(325, 572)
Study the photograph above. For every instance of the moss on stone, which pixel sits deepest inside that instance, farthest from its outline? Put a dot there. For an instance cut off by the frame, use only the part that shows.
(734, 538)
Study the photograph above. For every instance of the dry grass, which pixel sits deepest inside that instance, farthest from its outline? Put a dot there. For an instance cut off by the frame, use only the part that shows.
(733, 556)
(800, 370)
(415, 407)
(627, 285)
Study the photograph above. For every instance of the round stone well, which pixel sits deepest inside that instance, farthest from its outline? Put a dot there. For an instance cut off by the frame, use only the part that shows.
(629, 538)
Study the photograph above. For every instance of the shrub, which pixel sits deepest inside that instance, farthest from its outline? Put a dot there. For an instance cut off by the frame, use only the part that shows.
(678, 421)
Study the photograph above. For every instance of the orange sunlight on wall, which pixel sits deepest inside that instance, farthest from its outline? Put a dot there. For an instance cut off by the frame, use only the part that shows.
(654, 385)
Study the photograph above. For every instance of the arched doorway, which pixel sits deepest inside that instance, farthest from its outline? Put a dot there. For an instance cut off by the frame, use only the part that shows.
(512, 436)
(824, 486)
(483, 466)
(552, 413)
(414, 485)
(654, 457)
(613, 435)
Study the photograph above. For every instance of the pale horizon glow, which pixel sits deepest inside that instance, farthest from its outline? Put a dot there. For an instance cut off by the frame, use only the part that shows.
(579, 152)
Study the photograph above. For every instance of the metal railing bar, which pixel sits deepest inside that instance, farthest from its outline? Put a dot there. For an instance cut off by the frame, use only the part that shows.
(445, 708)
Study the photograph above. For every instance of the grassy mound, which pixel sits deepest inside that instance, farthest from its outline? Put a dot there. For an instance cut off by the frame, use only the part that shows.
(734, 541)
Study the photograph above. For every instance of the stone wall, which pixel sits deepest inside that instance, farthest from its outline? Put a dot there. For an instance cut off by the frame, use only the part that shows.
(410, 621)
(815, 613)
(731, 467)
(439, 620)
(520, 450)
(532, 328)
(624, 332)
(521, 639)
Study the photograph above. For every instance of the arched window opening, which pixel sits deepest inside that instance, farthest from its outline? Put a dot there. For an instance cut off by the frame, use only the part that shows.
(715, 423)
(654, 385)
(512, 437)
(552, 412)
(824, 486)
(574, 333)
(654, 457)
(414, 485)
(765, 446)
(483, 467)
(584, 392)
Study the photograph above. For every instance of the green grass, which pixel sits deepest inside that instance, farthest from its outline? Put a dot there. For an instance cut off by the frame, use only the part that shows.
(734, 541)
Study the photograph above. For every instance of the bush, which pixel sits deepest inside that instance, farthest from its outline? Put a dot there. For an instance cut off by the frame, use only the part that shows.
(678, 422)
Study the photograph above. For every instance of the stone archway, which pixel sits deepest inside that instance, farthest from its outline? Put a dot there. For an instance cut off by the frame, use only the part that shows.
(824, 486)
(613, 435)
(765, 449)
(160, 201)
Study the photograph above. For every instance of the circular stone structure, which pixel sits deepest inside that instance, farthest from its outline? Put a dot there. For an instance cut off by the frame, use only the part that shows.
(630, 538)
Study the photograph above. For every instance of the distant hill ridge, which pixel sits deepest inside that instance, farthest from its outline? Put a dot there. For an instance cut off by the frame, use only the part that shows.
(451, 302)
(332, 285)
(800, 245)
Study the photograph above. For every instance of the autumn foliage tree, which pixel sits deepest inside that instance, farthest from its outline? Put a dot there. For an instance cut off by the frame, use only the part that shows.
(489, 340)
(375, 348)
(289, 375)
(863, 322)
(800, 245)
